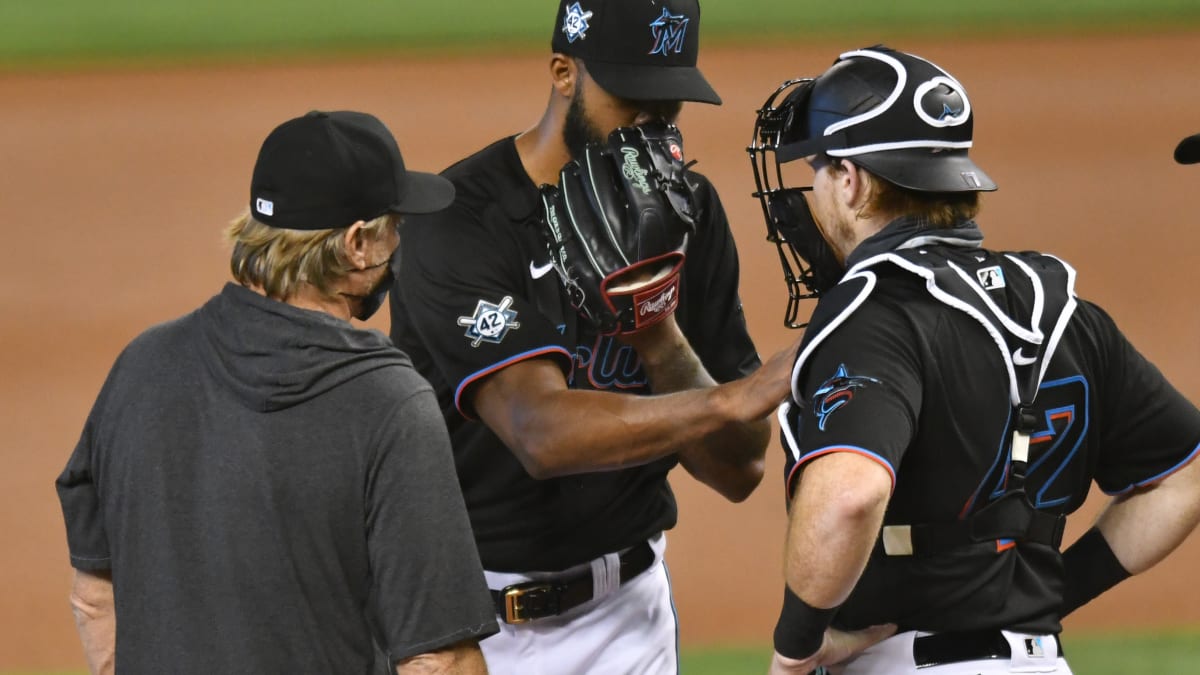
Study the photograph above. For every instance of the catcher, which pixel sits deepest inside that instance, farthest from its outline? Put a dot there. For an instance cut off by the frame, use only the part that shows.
(952, 404)
(544, 318)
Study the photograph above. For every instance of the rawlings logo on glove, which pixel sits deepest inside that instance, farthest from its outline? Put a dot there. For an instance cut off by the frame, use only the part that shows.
(617, 227)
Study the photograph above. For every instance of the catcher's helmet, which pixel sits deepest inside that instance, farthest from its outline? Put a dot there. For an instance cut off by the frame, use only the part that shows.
(899, 116)
(896, 115)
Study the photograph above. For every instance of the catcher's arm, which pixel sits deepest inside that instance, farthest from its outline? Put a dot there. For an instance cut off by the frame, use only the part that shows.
(1172, 504)
(833, 523)
(1120, 544)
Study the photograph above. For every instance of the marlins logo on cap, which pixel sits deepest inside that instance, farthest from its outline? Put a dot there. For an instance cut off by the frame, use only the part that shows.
(634, 49)
(669, 31)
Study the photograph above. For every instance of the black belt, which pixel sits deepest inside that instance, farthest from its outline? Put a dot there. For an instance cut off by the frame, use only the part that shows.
(958, 646)
(539, 599)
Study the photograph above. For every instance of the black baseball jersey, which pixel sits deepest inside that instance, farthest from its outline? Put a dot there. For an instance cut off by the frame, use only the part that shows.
(918, 360)
(475, 292)
(271, 488)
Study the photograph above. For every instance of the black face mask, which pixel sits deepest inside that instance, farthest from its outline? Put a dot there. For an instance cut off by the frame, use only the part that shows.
(794, 220)
(373, 300)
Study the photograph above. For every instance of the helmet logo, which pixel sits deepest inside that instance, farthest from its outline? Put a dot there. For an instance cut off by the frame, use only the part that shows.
(668, 31)
(575, 23)
(941, 102)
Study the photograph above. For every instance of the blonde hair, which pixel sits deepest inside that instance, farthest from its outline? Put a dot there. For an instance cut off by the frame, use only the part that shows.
(933, 210)
(279, 260)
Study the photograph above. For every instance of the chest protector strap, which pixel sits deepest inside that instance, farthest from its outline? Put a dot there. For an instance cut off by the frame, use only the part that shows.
(984, 285)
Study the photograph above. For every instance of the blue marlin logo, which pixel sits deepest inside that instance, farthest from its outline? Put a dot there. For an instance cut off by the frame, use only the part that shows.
(668, 31)
(948, 112)
(836, 392)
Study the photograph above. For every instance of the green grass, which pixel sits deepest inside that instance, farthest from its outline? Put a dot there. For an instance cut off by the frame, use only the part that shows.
(83, 32)
(1175, 652)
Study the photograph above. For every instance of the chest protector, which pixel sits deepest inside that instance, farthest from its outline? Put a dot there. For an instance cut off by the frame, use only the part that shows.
(1024, 302)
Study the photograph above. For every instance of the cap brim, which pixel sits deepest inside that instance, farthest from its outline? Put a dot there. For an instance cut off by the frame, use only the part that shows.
(424, 193)
(924, 170)
(653, 83)
(1188, 150)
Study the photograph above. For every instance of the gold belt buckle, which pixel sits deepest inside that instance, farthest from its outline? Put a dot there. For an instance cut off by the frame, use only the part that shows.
(513, 606)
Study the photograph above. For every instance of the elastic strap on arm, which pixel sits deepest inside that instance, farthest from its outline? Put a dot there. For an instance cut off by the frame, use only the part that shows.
(801, 627)
(1090, 568)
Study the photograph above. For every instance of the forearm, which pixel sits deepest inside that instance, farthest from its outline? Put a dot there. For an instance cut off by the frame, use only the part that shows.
(833, 521)
(1173, 506)
(95, 619)
(583, 431)
(1120, 543)
(464, 658)
(730, 460)
(719, 431)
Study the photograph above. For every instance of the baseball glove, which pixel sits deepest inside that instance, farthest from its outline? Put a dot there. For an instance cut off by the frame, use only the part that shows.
(617, 227)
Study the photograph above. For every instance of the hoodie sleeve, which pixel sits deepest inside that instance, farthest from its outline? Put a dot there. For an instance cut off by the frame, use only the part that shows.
(428, 589)
(83, 513)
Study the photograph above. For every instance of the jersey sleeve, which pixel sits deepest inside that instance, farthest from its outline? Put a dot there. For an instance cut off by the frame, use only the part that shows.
(861, 392)
(716, 325)
(427, 584)
(1148, 429)
(466, 296)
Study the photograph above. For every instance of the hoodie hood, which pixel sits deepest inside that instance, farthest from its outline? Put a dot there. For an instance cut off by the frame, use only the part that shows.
(273, 356)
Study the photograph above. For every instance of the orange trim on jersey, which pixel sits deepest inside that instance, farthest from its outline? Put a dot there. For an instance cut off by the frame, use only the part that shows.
(840, 448)
(523, 356)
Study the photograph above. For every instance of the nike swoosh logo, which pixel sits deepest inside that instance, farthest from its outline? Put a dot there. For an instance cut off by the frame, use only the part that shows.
(1020, 359)
(538, 271)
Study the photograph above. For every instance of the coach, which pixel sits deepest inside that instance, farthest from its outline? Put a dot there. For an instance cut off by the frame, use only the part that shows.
(262, 487)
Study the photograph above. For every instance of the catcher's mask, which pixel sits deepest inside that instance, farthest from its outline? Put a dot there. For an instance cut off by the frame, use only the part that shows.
(898, 116)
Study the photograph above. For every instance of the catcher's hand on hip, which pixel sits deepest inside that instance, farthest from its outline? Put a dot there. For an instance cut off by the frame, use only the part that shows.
(617, 227)
(837, 647)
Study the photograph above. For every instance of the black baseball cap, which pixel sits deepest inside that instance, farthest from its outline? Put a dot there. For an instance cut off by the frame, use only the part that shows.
(641, 50)
(1188, 150)
(331, 169)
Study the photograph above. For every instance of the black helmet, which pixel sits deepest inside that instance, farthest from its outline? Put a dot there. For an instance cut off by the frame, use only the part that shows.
(899, 116)
(896, 115)
(1188, 150)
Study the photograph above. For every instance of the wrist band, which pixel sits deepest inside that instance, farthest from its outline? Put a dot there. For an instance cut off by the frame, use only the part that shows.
(801, 627)
(1089, 568)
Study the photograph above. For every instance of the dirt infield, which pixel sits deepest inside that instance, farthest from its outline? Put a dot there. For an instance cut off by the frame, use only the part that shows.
(114, 187)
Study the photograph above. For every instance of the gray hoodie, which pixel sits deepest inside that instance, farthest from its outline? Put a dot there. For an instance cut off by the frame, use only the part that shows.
(272, 488)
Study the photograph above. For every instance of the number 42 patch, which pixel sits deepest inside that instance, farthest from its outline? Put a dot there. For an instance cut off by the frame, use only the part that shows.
(490, 322)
